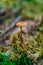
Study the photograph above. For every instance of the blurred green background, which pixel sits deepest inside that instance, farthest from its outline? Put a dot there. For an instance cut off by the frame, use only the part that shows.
(31, 8)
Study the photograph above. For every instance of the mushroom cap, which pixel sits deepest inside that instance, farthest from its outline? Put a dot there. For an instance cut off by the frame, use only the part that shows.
(21, 24)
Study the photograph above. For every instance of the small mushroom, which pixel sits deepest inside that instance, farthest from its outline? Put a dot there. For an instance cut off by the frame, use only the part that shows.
(21, 24)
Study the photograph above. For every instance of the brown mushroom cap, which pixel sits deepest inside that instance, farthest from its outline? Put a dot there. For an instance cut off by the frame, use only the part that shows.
(21, 24)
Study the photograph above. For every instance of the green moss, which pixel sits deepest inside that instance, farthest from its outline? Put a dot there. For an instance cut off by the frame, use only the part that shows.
(23, 60)
(5, 61)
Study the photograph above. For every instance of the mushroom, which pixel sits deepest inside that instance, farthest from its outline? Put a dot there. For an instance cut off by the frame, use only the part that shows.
(21, 24)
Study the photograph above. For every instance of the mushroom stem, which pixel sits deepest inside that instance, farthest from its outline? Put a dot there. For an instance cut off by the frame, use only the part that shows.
(21, 37)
